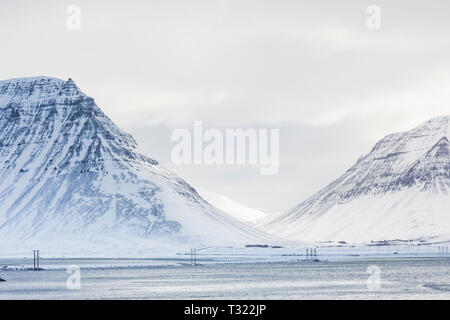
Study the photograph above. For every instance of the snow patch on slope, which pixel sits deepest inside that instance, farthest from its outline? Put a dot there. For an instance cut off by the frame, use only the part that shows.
(237, 210)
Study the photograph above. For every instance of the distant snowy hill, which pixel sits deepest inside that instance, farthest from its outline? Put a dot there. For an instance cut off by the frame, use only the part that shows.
(71, 180)
(237, 210)
(400, 190)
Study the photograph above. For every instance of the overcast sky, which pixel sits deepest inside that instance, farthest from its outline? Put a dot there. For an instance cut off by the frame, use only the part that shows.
(310, 68)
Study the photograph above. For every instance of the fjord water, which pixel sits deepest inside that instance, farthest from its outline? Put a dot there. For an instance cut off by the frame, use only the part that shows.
(400, 278)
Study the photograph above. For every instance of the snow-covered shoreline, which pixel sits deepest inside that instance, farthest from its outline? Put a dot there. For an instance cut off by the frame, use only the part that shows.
(219, 255)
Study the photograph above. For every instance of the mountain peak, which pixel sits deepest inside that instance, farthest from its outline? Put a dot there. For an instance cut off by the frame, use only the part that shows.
(437, 121)
(35, 91)
(31, 79)
(437, 124)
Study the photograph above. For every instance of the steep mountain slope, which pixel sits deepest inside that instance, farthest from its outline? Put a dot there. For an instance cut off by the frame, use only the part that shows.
(70, 178)
(400, 190)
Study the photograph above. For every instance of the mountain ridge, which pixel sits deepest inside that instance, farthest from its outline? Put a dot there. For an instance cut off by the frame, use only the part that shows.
(411, 163)
(68, 172)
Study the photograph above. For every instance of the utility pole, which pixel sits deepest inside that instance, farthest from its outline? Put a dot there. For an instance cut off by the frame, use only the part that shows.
(36, 259)
(193, 257)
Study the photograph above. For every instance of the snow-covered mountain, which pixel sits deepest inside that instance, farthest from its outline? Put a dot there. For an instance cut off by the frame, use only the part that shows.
(400, 190)
(70, 178)
(243, 213)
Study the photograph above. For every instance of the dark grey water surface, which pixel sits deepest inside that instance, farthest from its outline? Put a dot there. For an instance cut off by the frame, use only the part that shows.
(400, 278)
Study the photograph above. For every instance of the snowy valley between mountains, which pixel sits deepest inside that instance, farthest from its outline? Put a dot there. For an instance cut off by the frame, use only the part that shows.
(73, 183)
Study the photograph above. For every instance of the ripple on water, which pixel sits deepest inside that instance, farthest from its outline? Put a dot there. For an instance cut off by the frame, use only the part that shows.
(445, 287)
